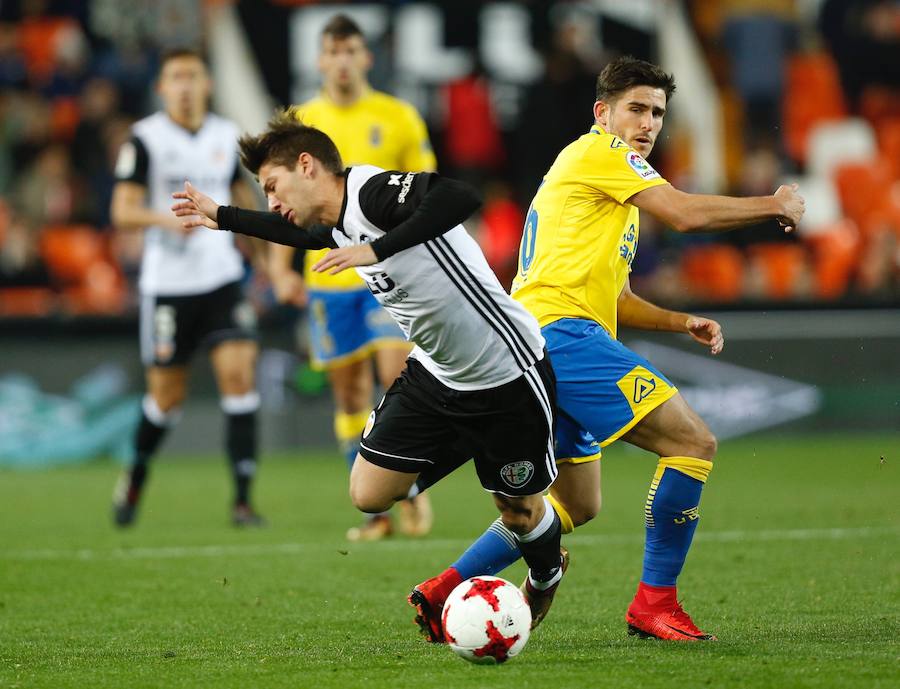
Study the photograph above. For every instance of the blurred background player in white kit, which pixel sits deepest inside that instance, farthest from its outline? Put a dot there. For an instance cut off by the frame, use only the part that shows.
(190, 284)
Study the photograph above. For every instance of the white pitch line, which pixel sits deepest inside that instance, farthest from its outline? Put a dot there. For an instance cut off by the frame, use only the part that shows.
(175, 552)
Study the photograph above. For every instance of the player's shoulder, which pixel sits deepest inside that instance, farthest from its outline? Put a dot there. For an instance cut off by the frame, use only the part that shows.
(223, 124)
(156, 123)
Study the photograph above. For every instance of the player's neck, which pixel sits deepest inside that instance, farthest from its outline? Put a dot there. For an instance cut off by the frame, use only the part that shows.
(333, 202)
(346, 96)
(192, 122)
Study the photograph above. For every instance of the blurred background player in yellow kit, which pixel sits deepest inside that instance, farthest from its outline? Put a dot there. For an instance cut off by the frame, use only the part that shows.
(348, 328)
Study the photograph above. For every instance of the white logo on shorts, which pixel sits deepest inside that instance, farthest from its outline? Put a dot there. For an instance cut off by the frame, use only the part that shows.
(370, 423)
(517, 474)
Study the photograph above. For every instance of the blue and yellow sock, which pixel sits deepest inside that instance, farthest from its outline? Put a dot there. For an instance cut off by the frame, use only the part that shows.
(348, 430)
(497, 548)
(671, 514)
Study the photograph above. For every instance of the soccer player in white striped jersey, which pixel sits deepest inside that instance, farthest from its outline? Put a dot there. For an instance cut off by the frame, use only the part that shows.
(477, 383)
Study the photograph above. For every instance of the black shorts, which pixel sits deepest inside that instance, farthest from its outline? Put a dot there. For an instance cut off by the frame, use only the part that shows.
(172, 328)
(422, 426)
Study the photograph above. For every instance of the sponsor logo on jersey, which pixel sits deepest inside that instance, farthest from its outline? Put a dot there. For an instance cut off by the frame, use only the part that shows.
(404, 185)
(375, 135)
(640, 166)
(517, 474)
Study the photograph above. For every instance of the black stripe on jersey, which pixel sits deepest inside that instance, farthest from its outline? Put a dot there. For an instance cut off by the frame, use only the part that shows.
(477, 302)
(498, 311)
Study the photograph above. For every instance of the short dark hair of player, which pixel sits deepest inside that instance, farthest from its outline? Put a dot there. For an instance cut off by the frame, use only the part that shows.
(340, 27)
(627, 72)
(179, 52)
(282, 143)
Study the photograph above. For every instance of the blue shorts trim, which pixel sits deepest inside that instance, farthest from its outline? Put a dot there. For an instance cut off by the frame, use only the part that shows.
(348, 325)
(603, 388)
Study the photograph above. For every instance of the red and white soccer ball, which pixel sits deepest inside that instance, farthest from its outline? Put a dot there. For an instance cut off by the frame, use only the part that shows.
(486, 620)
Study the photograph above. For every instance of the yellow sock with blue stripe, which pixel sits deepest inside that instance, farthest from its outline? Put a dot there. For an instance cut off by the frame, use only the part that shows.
(671, 514)
(348, 430)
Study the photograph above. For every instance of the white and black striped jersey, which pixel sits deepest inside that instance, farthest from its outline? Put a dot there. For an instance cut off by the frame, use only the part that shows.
(469, 333)
(161, 155)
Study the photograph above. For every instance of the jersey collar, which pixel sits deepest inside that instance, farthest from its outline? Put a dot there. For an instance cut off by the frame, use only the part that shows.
(597, 129)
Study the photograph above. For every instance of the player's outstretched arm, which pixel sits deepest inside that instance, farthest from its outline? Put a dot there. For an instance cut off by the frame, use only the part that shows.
(709, 213)
(635, 312)
(200, 209)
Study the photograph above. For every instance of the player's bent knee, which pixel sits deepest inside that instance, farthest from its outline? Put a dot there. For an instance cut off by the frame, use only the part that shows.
(371, 502)
(708, 445)
(583, 513)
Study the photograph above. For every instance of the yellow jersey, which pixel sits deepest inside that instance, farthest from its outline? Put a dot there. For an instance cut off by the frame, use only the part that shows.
(377, 129)
(581, 233)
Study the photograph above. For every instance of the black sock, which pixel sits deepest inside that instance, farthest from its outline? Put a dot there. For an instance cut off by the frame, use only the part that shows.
(241, 445)
(146, 441)
(541, 552)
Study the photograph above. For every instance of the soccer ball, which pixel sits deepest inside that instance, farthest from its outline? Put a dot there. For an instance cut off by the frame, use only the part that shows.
(486, 620)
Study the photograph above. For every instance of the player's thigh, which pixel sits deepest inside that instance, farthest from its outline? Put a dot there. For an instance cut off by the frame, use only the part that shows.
(167, 385)
(601, 384)
(674, 429)
(409, 431)
(352, 384)
(375, 488)
(234, 365)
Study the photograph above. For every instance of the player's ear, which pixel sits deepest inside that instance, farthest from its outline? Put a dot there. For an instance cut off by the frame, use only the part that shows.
(601, 113)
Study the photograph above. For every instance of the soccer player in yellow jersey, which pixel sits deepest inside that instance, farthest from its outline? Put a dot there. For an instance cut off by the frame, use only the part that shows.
(348, 329)
(579, 241)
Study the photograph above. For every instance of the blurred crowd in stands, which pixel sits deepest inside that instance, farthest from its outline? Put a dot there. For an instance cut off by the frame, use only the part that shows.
(819, 105)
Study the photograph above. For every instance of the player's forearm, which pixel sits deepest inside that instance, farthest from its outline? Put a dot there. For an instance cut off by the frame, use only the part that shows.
(709, 213)
(634, 312)
(280, 258)
(269, 226)
(446, 204)
(128, 217)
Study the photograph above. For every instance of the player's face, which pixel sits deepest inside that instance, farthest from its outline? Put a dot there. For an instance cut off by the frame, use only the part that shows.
(289, 192)
(184, 86)
(636, 116)
(344, 62)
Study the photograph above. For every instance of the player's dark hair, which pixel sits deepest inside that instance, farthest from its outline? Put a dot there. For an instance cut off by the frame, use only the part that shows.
(340, 27)
(284, 140)
(179, 52)
(627, 72)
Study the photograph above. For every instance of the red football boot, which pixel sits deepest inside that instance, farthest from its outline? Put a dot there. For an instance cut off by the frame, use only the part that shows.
(655, 613)
(428, 600)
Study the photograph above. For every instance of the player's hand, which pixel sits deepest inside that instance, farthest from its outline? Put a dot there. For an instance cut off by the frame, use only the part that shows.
(338, 260)
(197, 209)
(707, 332)
(289, 288)
(792, 206)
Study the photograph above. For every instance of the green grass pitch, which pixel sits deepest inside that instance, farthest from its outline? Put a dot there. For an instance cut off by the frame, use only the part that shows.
(796, 567)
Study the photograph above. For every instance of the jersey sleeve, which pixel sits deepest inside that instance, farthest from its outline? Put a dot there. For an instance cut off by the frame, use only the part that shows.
(133, 162)
(617, 170)
(389, 198)
(274, 228)
(417, 154)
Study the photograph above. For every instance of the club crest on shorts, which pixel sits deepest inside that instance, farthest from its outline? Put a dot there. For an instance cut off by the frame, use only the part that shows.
(517, 474)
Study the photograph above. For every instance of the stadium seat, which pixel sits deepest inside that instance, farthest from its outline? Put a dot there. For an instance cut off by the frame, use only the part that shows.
(26, 301)
(835, 253)
(833, 143)
(812, 95)
(889, 143)
(69, 250)
(879, 103)
(782, 267)
(860, 186)
(714, 272)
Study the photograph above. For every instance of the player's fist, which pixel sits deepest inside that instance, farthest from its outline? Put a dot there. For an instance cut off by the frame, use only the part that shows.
(792, 206)
(197, 209)
(707, 332)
